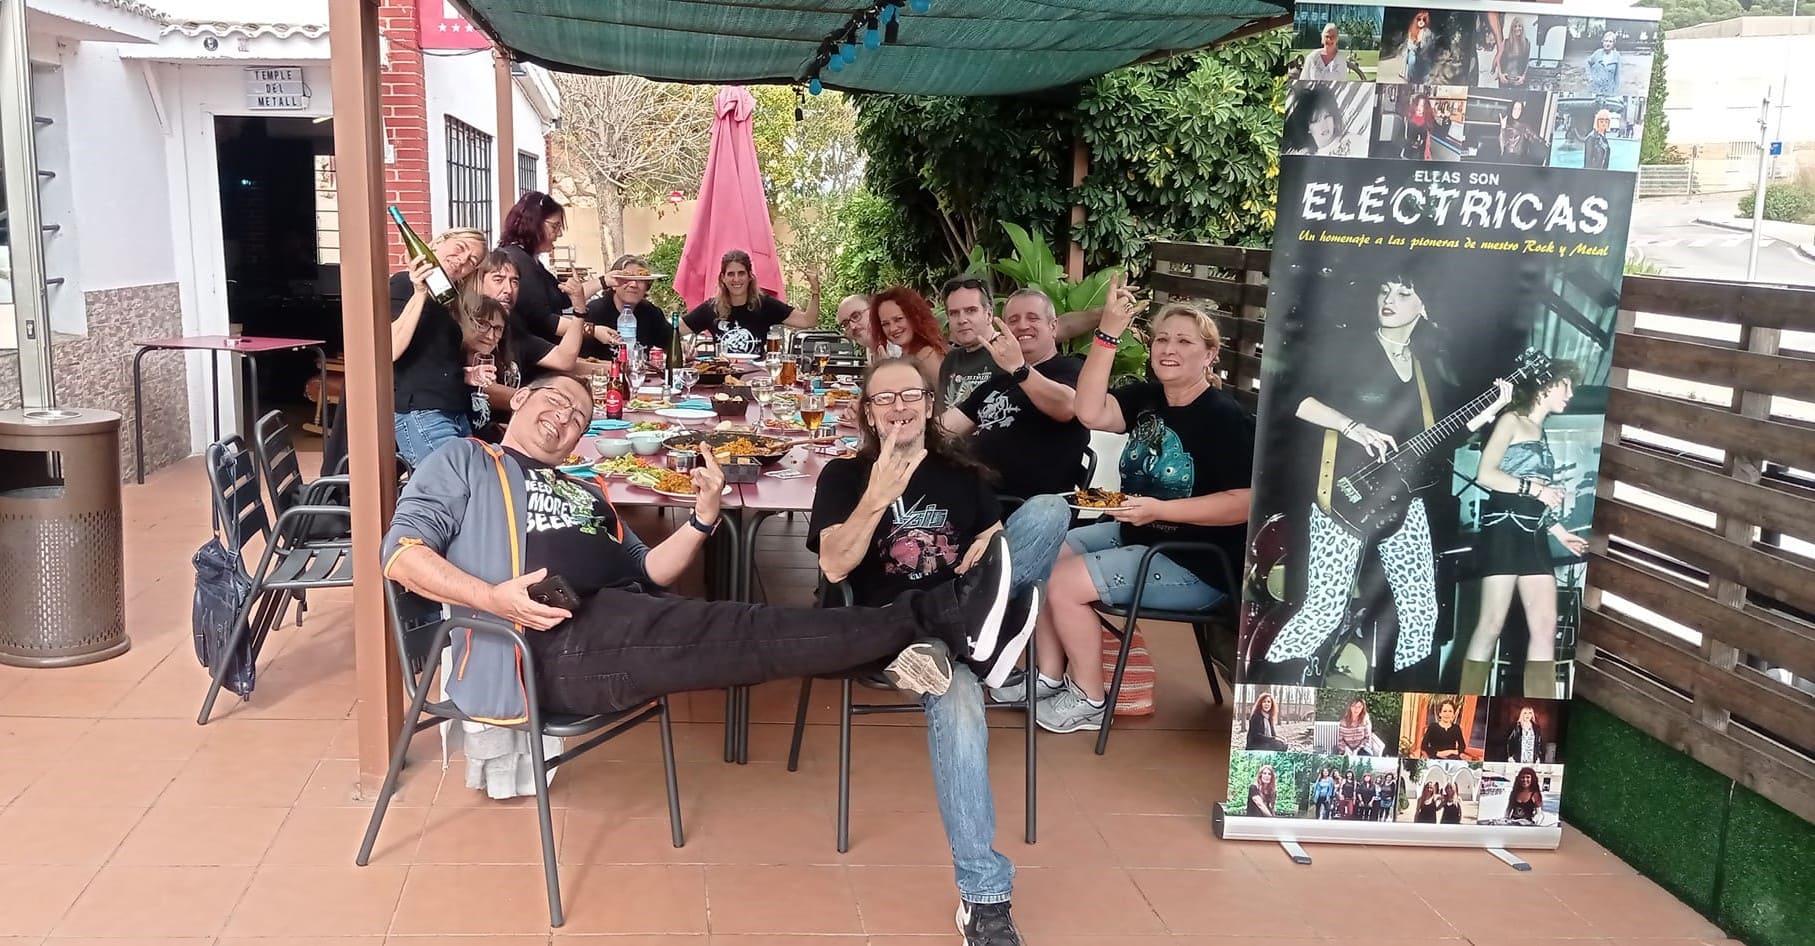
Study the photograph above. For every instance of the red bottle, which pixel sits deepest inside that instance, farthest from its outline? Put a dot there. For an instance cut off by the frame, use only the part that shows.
(614, 394)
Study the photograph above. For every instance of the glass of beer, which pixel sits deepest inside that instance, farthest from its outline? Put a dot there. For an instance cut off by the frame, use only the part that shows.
(786, 378)
(822, 352)
(813, 411)
(773, 345)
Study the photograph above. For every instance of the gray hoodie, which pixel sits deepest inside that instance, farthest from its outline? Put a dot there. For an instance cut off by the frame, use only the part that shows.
(465, 502)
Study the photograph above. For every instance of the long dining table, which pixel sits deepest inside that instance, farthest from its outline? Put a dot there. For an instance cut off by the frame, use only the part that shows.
(731, 556)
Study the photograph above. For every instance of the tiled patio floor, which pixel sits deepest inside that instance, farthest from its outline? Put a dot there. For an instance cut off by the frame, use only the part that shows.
(121, 821)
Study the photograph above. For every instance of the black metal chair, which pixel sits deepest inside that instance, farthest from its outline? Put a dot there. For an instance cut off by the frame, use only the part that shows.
(290, 564)
(276, 453)
(1201, 623)
(419, 648)
(840, 592)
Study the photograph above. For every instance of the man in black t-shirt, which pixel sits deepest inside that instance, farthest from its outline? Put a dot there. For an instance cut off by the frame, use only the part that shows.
(433, 388)
(628, 285)
(1022, 422)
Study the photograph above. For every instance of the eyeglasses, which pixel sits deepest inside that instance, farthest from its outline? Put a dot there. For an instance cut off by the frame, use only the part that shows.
(853, 319)
(560, 402)
(910, 396)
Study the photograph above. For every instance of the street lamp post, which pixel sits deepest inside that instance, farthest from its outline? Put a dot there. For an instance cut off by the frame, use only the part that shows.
(1758, 196)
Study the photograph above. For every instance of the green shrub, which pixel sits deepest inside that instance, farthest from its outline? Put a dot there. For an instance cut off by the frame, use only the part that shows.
(1783, 201)
(665, 257)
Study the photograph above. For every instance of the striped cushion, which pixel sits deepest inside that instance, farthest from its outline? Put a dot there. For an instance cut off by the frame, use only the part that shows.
(1136, 698)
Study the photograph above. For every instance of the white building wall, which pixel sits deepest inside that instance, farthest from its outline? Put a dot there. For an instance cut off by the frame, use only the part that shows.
(463, 86)
(1716, 85)
(118, 170)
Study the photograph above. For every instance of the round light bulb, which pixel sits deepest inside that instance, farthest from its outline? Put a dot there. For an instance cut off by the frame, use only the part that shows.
(872, 39)
(920, 6)
(835, 64)
(849, 52)
(814, 86)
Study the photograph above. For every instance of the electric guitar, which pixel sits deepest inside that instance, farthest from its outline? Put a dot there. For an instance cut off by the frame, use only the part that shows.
(1370, 498)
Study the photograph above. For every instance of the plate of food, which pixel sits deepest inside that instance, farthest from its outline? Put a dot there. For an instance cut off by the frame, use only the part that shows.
(620, 466)
(1093, 499)
(771, 423)
(648, 426)
(726, 445)
(839, 396)
(667, 483)
(648, 404)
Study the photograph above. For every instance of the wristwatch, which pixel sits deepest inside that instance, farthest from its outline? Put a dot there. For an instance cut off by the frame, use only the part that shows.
(1020, 374)
(693, 519)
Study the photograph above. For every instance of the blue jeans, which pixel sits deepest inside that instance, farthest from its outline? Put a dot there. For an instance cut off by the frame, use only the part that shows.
(1111, 565)
(1035, 533)
(958, 741)
(420, 432)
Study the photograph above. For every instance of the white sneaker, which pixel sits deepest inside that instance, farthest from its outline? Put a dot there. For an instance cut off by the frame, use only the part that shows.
(1068, 711)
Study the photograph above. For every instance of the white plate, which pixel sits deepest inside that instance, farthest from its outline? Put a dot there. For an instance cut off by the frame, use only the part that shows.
(686, 413)
(1099, 508)
(744, 357)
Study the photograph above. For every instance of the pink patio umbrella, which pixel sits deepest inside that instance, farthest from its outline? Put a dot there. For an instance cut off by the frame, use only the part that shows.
(732, 213)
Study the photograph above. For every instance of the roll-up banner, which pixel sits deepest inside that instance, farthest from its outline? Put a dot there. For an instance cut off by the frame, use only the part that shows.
(1454, 192)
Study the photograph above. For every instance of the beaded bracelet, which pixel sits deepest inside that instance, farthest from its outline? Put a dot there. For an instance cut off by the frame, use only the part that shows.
(1107, 340)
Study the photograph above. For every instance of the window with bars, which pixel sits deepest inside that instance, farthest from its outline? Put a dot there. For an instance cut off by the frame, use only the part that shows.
(526, 173)
(469, 177)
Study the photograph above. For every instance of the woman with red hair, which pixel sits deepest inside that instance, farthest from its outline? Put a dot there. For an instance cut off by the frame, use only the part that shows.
(902, 324)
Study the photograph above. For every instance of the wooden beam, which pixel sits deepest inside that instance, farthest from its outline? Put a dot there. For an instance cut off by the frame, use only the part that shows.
(359, 179)
(1785, 442)
(1782, 375)
(1719, 301)
(1779, 576)
(507, 136)
(1750, 628)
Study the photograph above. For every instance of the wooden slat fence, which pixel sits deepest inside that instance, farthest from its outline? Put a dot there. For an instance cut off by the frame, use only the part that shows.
(1699, 618)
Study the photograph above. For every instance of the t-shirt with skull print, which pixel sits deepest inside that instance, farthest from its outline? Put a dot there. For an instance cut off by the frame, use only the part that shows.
(744, 332)
(1195, 449)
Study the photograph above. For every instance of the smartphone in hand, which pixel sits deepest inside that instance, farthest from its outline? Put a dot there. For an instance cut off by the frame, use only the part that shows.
(555, 592)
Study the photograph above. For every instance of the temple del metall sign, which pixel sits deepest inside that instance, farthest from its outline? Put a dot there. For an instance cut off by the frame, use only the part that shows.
(1455, 186)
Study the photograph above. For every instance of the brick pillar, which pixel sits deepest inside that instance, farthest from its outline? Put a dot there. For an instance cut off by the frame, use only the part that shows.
(406, 125)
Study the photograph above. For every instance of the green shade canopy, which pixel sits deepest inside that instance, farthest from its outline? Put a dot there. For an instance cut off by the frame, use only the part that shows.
(958, 47)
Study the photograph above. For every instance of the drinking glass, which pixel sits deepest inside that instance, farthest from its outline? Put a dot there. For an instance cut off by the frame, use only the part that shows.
(813, 411)
(762, 389)
(480, 403)
(689, 376)
(822, 352)
(773, 344)
(784, 406)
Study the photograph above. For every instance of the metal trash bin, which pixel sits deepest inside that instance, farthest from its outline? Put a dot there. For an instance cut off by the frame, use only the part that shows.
(62, 555)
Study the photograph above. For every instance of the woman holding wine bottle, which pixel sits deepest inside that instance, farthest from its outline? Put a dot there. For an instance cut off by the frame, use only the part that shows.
(546, 306)
(432, 384)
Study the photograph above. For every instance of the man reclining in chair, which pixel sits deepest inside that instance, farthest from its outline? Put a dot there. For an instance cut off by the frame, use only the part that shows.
(478, 525)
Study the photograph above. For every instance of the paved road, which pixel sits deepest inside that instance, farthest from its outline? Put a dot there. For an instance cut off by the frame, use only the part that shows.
(1667, 236)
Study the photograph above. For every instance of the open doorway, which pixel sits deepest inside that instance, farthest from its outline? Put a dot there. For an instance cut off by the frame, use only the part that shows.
(280, 239)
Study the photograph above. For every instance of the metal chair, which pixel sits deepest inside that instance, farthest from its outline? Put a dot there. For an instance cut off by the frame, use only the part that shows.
(849, 708)
(290, 564)
(1200, 622)
(276, 453)
(419, 649)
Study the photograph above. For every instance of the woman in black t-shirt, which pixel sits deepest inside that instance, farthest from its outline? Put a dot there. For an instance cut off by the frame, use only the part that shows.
(430, 387)
(1263, 726)
(545, 306)
(1186, 468)
(1429, 800)
(742, 314)
(1372, 395)
(1526, 802)
(1451, 810)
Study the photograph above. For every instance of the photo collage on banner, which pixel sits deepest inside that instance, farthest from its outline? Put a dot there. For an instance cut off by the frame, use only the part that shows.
(1454, 193)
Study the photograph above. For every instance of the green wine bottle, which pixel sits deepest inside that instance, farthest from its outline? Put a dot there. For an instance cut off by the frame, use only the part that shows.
(441, 288)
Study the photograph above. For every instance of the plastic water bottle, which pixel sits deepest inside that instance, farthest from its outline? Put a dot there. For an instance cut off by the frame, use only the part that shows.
(627, 327)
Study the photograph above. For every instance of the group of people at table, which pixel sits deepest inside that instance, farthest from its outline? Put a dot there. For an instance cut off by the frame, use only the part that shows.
(947, 590)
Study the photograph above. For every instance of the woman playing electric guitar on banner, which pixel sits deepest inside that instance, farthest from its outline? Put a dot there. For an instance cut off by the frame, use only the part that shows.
(1385, 398)
(1517, 520)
